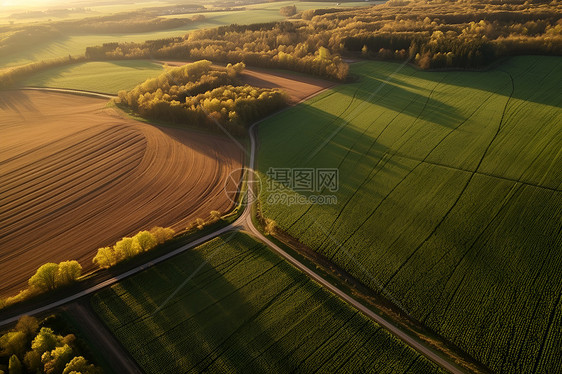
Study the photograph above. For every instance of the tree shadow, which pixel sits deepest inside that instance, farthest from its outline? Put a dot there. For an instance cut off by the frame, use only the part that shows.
(141, 64)
(13, 100)
(378, 89)
(236, 312)
(536, 78)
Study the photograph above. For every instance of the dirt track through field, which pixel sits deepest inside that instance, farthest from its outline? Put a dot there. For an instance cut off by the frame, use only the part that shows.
(75, 176)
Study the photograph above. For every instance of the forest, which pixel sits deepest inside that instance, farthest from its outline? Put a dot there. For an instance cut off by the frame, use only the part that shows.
(273, 45)
(463, 34)
(203, 95)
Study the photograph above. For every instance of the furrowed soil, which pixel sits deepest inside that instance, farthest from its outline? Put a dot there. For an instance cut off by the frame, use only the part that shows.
(77, 176)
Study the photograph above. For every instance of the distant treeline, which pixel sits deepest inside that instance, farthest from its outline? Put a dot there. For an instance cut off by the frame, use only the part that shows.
(275, 45)
(467, 34)
(15, 37)
(435, 34)
(199, 95)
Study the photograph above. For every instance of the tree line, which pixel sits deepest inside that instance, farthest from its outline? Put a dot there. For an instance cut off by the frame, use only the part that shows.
(10, 76)
(129, 247)
(51, 276)
(48, 277)
(32, 347)
(443, 33)
(468, 34)
(199, 94)
(283, 45)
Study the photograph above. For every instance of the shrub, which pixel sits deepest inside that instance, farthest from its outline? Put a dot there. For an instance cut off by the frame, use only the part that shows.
(13, 343)
(68, 272)
(46, 340)
(162, 234)
(55, 361)
(289, 10)
(145, 240)
(45, 277)
(105, 257)
(14, 366)
(51, 275)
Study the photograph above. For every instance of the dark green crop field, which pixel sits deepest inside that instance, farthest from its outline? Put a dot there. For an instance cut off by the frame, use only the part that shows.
(232, 305)
(449, 200)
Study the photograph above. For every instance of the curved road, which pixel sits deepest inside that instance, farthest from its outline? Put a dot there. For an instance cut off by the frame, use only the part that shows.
(244, 222)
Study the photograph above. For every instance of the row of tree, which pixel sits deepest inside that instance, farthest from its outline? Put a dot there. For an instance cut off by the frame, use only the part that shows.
(128, 248)
(199, 95)
(464, 33)
(467, 33)
(51, 276)
(278, 44)
(461, 34)
(30, 349)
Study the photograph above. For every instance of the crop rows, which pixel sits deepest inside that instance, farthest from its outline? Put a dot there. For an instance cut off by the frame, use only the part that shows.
(244, 309)
(449, 200)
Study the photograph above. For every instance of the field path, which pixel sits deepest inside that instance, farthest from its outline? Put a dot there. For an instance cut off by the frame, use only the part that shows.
(95, 331)
(89, 176)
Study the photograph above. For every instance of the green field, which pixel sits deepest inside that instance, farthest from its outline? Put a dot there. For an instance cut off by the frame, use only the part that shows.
(449, 200)
(106, 77)
(244, 309)
(76, 44)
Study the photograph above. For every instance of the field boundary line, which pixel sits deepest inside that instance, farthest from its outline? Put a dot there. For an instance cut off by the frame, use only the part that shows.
(70, 91)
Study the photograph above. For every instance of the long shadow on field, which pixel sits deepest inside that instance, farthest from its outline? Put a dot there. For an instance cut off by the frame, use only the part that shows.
(306, 137)
(213, 145)
(536, 79)
(137, 65)
(216, 320)
(375, 89)
(13, 100)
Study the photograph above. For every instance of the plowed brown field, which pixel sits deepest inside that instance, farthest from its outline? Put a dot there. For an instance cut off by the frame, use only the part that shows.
(75, 176)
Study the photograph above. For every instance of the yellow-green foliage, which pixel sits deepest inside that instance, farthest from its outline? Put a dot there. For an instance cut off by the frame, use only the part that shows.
(50, 275)
(162, 234)
(199, 94)
(468, 33)
(270, 226)
(28, 349)
(129, 247)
